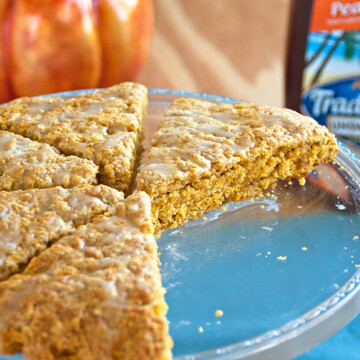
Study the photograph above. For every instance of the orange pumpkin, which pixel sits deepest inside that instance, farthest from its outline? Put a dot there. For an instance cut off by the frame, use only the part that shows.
(56, 45)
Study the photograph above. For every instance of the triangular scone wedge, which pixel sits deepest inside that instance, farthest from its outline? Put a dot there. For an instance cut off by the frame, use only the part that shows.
(207, 154)
(95, 294)
(30, 220)
(27, 164)
(18, 111)
(104, 126)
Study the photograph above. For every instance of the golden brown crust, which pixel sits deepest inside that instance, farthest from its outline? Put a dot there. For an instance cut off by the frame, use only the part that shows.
(215, 151)
(27, 164)
(104, 126)
(95, 294)
(30, 220)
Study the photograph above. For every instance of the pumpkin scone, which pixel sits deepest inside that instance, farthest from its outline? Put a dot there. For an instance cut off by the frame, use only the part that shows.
(95, 294)
(27, 164)
(206, 154)
(105, 126)
(30, 220)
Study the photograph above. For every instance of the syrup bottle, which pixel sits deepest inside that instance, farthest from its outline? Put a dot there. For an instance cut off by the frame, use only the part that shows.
(323, 64)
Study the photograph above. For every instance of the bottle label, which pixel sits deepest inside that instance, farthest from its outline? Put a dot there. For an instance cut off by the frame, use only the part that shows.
(331, 76)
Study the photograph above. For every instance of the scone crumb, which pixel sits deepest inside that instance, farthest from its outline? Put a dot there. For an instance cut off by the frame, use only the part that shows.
(157, 236)
(357, 265)
(204, 218)
(302, 181)
(251, 200)
(262, 206)
(290, 182)
(219, 313)
(304, 248)
(355, 237)
(282, 258)
(201, 329)
(223, 208)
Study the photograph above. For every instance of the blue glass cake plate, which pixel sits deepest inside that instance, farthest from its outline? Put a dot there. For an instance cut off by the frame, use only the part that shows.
(283, 271)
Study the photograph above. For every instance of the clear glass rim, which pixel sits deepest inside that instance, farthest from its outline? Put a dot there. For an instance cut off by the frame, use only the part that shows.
(310, 320)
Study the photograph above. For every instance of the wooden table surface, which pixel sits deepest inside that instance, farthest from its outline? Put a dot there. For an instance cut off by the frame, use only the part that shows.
(231, 48)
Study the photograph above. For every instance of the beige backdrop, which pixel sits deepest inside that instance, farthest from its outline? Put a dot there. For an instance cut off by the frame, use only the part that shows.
(232, 48)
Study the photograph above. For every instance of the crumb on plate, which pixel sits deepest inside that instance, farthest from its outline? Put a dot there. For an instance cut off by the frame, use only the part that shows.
(302, 181)
(219, 313)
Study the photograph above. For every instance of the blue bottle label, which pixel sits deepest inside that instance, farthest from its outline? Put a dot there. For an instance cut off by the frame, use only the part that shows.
(335, 104)
(331, 76)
